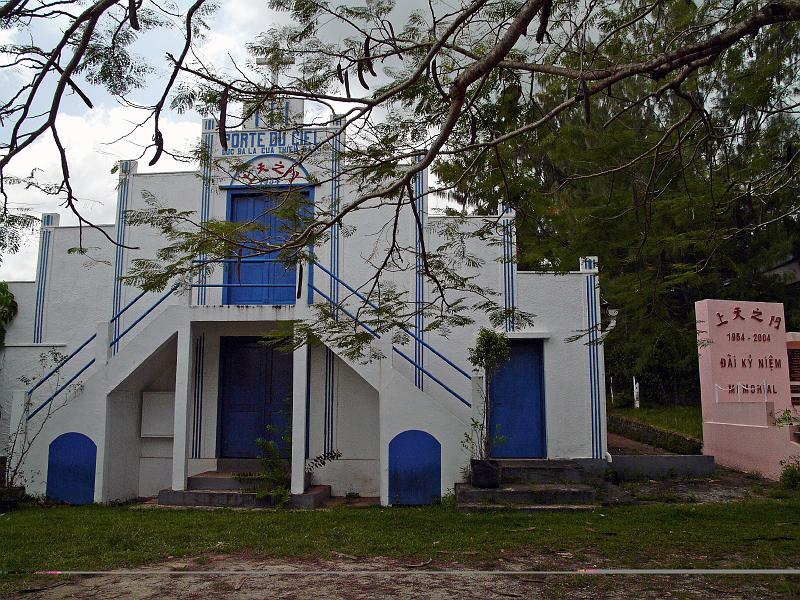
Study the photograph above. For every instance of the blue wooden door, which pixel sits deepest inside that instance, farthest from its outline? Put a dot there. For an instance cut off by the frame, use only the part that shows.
(415, 469)
(71, 465)
(255, 390)
(263, 279)
(517, 414)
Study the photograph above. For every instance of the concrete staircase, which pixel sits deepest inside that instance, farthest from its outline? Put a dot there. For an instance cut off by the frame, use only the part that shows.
(534, 485)
(221, 489)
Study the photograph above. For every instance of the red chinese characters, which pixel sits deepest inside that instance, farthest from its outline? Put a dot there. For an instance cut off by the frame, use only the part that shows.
(278, 170)
(757, 315)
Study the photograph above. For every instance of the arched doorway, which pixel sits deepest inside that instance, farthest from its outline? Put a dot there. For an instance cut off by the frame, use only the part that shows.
(415, 468)
(70, 469)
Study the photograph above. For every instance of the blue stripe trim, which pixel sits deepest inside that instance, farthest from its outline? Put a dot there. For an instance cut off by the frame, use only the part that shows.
(308, 402)
(122, 207)
(594, 365)
(509, 266)
(419, 287)
(41, 281)
(205, 198)
(199, 382)
(329, 398)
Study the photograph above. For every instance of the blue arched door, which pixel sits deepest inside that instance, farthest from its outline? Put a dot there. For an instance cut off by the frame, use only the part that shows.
(415, 468)
(70, 469)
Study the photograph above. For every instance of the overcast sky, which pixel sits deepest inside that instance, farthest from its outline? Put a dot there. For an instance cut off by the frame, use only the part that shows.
(86, 133)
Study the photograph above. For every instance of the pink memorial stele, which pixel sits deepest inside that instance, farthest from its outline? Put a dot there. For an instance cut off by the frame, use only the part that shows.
(745, 356)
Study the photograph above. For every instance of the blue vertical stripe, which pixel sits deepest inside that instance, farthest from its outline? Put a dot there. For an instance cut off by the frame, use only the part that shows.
(308, 401)
(205, 198)
(199, 371)
(419, 287)
(119, 265)
(593, 324)
(41, 280)
(329, 421)
(509, 267)
(333, 289)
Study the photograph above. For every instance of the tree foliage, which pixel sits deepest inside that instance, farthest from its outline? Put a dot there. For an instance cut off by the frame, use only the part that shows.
(684, 195)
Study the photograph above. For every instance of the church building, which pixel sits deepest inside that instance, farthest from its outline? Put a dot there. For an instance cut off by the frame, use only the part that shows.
(109, 393)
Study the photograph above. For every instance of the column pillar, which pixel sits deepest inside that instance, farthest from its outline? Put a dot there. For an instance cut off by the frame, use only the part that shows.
(300, 389)
(183, 391)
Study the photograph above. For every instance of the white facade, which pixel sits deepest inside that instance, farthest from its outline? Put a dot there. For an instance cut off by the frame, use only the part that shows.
(150, 401)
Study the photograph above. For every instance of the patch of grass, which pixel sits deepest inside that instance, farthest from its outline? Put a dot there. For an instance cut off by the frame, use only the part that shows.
(760, 532)
(687, 420)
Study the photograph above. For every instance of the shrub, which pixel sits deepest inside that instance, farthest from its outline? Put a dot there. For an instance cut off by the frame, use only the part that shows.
(790, 475)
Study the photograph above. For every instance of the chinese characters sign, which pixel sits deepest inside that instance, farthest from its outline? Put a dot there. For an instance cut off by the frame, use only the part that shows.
(273, 170)
(742, 347)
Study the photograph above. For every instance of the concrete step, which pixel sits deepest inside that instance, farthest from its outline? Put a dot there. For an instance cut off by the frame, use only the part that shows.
(215, 498)
(217, 480)
(314, 497)
(527, 494)
(528, 470)
(476, 508)
(539, 463)
(239, 465)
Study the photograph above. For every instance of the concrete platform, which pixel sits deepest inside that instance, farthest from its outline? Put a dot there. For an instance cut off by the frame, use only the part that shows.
(314, 497)
(527, 494)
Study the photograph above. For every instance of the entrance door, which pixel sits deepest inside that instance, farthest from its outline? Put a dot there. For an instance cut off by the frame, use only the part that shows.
(262, 279)
(518, 403)
(255, 391)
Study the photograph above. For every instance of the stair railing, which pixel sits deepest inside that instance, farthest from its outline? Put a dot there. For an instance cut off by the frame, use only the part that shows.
(243, 260)
(414, 363)
(113, 344)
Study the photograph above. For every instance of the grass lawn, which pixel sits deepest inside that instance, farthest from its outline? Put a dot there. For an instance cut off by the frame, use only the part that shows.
(758, 533)
(683, 419)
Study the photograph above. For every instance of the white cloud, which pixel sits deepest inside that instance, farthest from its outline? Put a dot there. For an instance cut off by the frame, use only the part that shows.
(86, 139)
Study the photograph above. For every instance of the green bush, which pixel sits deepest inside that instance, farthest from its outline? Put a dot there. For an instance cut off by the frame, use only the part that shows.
(790, 475)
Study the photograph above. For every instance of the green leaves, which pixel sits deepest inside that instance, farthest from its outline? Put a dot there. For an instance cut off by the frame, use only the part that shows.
(8, 309)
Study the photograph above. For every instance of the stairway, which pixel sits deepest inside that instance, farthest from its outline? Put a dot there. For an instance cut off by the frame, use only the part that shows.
(221, 489)
(534, 485)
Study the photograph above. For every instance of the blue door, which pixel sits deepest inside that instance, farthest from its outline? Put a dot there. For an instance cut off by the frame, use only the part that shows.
(264, 279)
(517, 413)
(415, 469)
(70, 469)
(255, 391)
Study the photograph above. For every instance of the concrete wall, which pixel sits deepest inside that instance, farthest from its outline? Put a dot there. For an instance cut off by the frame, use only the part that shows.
(347, 416)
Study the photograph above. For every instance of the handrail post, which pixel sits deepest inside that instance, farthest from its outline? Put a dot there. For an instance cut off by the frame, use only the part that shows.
(102, 343)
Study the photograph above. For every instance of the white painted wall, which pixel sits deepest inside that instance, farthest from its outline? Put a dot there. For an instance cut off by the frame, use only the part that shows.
(371, 403)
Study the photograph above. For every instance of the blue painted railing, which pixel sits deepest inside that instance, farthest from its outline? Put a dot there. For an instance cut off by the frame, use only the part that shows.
(242, 260)
(75, 352)
(404, 329)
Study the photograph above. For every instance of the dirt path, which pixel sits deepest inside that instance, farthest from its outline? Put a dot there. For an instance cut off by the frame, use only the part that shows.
(353, 579)
(622, 445)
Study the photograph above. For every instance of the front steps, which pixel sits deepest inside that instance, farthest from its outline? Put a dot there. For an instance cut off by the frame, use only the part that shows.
(534, 485)
(220, 489)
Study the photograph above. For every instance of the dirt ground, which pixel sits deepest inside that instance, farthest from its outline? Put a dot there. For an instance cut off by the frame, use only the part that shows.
(622, 445)
(347, 578)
